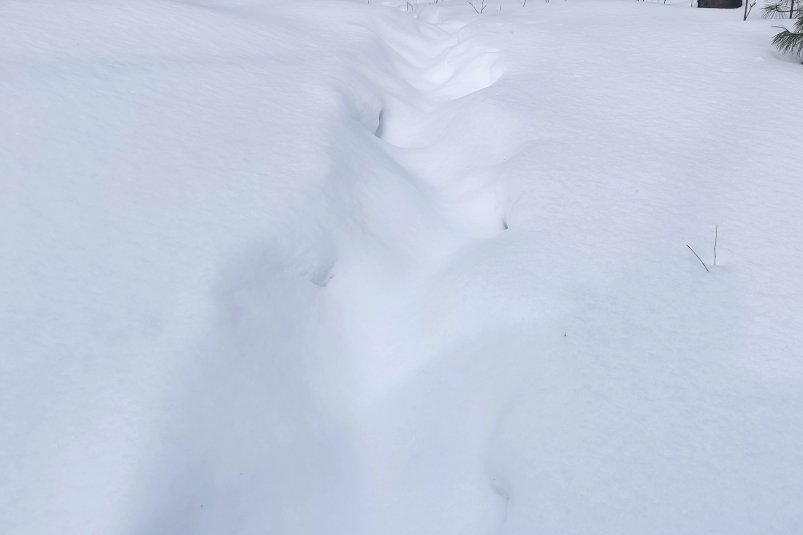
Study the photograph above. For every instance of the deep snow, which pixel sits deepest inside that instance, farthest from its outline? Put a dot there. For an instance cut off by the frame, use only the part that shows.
(328, 267)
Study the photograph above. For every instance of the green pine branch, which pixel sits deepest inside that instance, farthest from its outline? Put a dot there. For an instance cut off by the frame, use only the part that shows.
(782, 9)
(790, 41)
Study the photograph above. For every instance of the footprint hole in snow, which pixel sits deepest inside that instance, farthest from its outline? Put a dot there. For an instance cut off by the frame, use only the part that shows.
(500, 489)
(503, 494)
(322, 274)
(380, 124)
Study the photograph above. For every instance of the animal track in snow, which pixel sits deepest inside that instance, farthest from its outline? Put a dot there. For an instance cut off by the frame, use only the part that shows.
(439, 127)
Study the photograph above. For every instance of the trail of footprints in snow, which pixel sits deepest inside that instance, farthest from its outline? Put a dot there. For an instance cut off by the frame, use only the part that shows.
(442, 68)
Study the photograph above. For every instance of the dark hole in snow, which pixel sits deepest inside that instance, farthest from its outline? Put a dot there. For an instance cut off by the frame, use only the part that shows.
(380, 124)
(322, 275)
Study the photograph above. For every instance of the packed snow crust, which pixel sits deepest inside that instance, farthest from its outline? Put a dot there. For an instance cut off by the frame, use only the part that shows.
(324, 267)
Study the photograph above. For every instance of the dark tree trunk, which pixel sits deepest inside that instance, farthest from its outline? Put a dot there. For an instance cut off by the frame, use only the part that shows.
(720, 4)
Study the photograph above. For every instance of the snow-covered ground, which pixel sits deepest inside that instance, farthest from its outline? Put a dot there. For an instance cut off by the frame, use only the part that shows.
(324, 267)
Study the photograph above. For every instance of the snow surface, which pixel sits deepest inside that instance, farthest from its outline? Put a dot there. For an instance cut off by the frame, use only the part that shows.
(323, 267)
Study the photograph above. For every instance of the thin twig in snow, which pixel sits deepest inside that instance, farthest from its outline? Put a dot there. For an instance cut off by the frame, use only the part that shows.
(481, 9)
(716, 235)
(698, 257)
